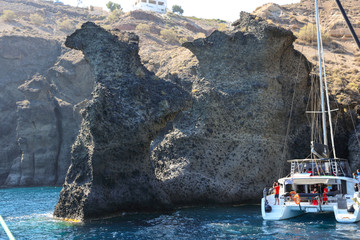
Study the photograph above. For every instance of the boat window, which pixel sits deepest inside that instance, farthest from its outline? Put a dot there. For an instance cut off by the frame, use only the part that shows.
(152, 1)
(300, 188)
(161, 3)
(288, 187)
(143, 1)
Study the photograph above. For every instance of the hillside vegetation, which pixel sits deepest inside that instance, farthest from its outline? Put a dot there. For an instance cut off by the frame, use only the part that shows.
(164, 32)
(342, 57)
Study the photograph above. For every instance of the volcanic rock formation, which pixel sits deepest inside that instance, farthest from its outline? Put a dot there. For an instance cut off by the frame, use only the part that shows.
(111, 169)
(39, 88)
(231, 142)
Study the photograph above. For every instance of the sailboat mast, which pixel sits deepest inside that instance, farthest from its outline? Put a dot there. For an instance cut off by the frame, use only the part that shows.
(328, 102)
(321, 74)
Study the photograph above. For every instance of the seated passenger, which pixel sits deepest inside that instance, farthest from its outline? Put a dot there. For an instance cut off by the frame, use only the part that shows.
(315, 201)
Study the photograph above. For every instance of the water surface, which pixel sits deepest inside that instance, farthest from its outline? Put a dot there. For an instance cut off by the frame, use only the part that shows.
(28, 213)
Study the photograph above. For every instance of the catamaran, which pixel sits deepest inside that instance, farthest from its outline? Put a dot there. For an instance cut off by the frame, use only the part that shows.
(322, 182)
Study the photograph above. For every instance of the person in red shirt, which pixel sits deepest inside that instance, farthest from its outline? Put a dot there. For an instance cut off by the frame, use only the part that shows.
(315, 201)
(277, 191)
(325, 197)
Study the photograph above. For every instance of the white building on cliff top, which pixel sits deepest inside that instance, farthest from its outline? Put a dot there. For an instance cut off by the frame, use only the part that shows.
(151, 5)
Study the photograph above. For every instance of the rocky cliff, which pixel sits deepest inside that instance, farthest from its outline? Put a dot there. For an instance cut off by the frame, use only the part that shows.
(38, 96)
(231, 142)
(111, 171)
(223, 149)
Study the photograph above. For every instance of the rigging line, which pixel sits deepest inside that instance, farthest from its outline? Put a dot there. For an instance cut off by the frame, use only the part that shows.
(291, 112)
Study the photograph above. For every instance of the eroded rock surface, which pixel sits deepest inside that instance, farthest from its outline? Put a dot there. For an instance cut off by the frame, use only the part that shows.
(230, 143)
(111, 169)
(41, 84)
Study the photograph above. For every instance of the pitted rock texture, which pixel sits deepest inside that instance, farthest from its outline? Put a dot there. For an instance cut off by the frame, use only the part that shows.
(230, 143)
(111, 169)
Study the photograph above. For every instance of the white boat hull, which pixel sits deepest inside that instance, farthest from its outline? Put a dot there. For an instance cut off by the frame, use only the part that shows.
(343, 216)
(292, 210)
(280, 212)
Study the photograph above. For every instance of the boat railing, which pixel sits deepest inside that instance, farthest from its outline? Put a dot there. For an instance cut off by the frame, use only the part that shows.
(321, 167)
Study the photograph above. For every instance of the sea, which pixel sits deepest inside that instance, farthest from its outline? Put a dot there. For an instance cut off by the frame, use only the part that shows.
(28, 214)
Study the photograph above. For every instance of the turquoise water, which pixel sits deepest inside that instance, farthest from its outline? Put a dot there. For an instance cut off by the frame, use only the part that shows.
(28, 213)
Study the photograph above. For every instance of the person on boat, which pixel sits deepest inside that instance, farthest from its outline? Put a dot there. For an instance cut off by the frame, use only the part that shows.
(325, 197)
(310, 171)
(277, 191)
(355, 176)
(315, 201)
(356, 187)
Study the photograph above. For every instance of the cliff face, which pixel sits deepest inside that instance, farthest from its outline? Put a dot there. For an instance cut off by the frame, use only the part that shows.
(224, 148)
(38, 121)
(229, 145)
(111, 169)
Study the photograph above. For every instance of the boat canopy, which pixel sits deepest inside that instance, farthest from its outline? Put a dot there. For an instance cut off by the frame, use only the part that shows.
(311, 181)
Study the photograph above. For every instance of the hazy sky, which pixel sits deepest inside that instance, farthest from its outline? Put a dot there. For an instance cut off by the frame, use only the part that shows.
(221, 9)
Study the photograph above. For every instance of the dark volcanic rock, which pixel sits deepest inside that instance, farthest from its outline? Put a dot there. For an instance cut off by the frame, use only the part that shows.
(111, 169)
(40, 84)
(229, 145)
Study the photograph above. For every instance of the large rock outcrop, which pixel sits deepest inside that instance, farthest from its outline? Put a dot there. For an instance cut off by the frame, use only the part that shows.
(230, 144)
(40, 89)
(111, 169)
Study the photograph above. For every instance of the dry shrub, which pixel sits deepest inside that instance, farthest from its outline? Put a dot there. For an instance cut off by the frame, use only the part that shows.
(200, 35)
(183, 40)
(66, 25)
(36, 19)
(222, 27)
(169, 35)
(309, 35)
(143, 28)
(8, 16)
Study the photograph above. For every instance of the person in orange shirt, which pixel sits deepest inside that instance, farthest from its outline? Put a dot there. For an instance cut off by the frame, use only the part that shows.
(277, 191)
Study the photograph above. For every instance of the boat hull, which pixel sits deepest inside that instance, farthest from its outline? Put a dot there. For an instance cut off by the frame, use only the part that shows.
(287, 211)
(280, 212)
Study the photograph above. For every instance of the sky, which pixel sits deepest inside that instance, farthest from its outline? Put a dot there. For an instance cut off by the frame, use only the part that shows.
(212, 9)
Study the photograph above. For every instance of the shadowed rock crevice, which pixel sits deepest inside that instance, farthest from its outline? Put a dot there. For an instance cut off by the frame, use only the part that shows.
(111, 170)
(59, 129)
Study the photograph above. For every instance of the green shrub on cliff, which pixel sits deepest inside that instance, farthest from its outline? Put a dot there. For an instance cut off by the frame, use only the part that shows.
(36, 19)
(169, 35)
(222, 27)
(177, 9)
(113, 6)
(183, 40)
(115, 15)
(8, 15)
